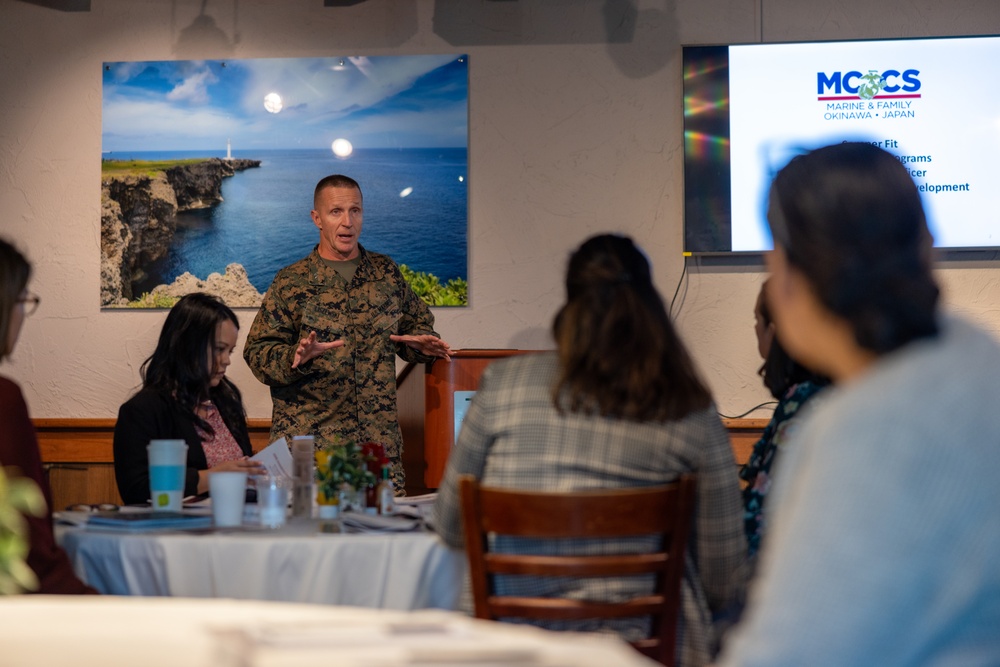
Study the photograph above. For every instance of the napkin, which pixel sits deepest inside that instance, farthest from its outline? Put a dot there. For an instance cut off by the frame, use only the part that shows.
(360, 522)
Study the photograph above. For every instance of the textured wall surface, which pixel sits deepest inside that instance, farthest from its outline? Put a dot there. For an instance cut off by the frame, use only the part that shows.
(575, 128)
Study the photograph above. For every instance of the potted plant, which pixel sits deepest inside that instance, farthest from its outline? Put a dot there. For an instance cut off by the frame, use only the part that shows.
(341, 471)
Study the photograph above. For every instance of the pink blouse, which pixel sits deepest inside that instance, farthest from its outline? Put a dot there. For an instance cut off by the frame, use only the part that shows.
(220, 445)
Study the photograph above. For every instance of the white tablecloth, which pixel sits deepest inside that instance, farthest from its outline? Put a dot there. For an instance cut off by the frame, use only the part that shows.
(84, 631)
(294, 564)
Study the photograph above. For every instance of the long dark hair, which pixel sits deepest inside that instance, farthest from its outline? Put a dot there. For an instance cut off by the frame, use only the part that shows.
(619, 354)
(14, 274)
(849, 218)
(180, 368)
(780, 372)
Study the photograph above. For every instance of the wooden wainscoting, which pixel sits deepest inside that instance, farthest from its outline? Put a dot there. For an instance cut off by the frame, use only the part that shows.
(743, 433)
(77, 454)
(78, 458)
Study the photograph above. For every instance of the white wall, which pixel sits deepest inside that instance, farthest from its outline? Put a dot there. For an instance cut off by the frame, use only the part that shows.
(575, 128)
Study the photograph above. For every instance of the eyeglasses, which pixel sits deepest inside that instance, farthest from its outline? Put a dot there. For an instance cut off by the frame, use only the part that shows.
(30, 303)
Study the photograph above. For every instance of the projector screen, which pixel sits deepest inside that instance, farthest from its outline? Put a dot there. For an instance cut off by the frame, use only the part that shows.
(748, 109)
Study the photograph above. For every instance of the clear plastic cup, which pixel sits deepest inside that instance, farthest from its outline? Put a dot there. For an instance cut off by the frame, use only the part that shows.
(273, 493)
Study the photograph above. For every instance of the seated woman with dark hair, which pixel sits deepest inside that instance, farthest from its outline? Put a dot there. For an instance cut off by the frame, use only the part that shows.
(793, 385)
(618, 404)
(18, 443)
(186, 395)
(883, 532)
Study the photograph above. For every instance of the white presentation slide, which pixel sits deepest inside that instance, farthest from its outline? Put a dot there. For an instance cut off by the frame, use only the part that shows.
(933, 103)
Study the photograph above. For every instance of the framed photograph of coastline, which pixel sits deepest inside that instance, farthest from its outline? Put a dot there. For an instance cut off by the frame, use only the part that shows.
(208, 170)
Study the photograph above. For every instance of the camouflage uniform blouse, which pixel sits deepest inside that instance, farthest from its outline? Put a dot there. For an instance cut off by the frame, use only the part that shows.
(348, 391)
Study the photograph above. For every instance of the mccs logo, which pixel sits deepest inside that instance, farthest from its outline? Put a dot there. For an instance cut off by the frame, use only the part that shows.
(867, 86)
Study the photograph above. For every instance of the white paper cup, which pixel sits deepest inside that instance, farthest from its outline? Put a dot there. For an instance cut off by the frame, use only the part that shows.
(272, 499)
(167, 465)
(228, 491)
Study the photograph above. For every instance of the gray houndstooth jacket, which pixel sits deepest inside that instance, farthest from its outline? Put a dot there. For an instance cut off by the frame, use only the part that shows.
(512, 436)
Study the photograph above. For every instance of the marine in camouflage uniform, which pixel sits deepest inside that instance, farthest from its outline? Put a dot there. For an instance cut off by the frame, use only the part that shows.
(348, 392)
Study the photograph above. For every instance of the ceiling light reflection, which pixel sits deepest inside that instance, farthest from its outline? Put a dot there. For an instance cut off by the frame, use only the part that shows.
(273, 103)
(342, 148)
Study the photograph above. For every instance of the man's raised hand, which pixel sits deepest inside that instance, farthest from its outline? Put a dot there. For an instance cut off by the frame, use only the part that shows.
(309, 348)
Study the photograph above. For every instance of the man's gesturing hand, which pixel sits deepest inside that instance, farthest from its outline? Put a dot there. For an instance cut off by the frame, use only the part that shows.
(432, 346)
(309, 348)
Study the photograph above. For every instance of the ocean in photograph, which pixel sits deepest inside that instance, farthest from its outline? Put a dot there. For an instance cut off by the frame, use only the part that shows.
(415, 211)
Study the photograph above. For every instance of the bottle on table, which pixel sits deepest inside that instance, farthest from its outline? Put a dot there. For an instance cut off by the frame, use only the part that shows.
(303, 462)
(371, 498)
(386, 494)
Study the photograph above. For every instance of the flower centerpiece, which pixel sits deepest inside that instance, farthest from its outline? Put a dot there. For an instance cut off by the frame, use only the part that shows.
(374, 456)
(342, 469)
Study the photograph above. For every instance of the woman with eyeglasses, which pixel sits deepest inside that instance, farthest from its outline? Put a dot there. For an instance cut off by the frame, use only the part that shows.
(18, 444)
(186, 395)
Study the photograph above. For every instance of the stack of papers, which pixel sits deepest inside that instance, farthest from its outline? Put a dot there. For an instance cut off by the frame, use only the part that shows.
(419, 506)
(147, 521)
(426, 499)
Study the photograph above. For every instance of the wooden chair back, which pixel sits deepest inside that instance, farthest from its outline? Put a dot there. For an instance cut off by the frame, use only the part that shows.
(666, 511)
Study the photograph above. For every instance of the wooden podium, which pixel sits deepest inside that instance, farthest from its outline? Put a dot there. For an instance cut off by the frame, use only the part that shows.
(425, 396)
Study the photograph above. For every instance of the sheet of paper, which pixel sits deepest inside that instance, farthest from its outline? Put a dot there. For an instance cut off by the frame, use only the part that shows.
(277, 458)
(426, 499)
(421, 507)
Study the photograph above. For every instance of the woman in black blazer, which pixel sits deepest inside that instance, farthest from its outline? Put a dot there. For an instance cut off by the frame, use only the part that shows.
(186, 395)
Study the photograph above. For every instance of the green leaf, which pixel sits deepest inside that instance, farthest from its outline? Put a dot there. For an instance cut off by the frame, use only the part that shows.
(18, 496)
(429, 288)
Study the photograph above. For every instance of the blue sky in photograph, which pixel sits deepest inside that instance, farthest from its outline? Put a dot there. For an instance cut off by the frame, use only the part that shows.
(373, 102)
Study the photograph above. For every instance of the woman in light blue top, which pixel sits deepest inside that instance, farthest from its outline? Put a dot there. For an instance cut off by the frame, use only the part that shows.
(884, 530)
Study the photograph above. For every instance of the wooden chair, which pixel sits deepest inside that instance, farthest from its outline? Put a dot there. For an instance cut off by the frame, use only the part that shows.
(662, 510)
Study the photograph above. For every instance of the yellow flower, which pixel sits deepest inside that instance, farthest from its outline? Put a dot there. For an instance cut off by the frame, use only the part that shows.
(323, 459)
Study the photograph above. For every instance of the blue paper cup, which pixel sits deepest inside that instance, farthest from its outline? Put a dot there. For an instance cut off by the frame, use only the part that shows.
(167, 464)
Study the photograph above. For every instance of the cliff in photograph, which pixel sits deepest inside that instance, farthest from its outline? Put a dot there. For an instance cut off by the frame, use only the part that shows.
(139, 206)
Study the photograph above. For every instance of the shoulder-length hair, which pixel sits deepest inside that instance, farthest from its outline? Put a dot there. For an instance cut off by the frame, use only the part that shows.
(780, 371)
(14, 274)
(849, 217)
(182, 364)
(619, 354)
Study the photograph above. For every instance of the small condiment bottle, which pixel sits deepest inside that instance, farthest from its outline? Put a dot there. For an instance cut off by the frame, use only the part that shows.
(386, 494)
